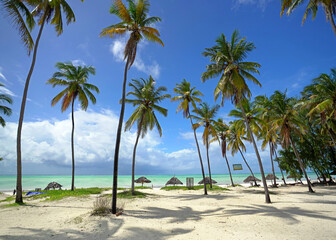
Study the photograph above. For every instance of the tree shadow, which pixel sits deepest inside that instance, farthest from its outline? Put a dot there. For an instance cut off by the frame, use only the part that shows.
(182, 214)
(289, 214)
(190, 197)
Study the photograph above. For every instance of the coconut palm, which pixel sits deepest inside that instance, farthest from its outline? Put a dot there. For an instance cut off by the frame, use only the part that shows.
(134, 20)
(187, 95)
(47, 11)
(146, 99)
(227, 62)
(205, 117)
(74, 79)
(329, 7)
(286, 121)
(4, 98)
(221, 132)
(22, 19)
(235, 142)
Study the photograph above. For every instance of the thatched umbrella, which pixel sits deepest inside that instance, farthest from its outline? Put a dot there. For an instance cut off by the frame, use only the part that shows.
(53, 185)
(251, 179)
(207, 181)
(174, 181)
(270, 176)
(142, 180)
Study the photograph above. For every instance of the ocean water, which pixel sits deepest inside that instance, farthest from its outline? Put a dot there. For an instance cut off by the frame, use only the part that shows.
(8, 183)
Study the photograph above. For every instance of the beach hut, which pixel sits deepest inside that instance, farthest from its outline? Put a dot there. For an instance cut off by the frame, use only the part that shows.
(174, 181)
(207, 181)
(142, 180)
(251, 179)
(270, 176)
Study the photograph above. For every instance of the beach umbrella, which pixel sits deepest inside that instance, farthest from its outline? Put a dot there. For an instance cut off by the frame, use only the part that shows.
(251, 179)
(270, 176)
(174, 181)
(142, 180)
(207, 181)
(53, 185)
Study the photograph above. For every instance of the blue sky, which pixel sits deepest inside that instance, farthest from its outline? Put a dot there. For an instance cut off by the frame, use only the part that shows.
(290, 54)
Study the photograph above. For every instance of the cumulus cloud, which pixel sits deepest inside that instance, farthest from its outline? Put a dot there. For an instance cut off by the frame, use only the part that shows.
(117, 49)
(260, 3)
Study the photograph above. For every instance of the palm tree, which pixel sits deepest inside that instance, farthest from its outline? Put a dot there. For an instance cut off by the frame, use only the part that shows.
(235, 142)
(17, 11)
(46, 11)
(146, 99)
(135, 20)
(186, 96)
(4, 98)
(74, 79)
(205, 117)
(286, 121)
(221, 132)
(227, 62)
(329, 7)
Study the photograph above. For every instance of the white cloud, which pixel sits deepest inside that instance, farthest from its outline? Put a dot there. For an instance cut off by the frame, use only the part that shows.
(117, 49)
(78, 62)
(260, 3)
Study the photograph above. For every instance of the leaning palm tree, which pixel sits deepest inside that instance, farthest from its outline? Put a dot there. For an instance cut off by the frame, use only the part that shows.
(205, 117)
(286, 121)
(187, 95)
(222, 132)
(4, 98)
(146, 99)
(227, 62)
(47, 11)
(74, 79)
(235, 142)
(135, 20)
(329, 7)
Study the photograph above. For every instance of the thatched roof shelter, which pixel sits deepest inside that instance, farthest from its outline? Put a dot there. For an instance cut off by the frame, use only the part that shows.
(270, 176)
(251, 179)
(174, 181)
(53, 185)
(207, 181)
(142, 180)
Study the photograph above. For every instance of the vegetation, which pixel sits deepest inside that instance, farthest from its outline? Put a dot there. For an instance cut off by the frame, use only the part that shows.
(135, 20)
(130, 195)
(101, 207)
(74, 79)
(4, 99)
(146, 99)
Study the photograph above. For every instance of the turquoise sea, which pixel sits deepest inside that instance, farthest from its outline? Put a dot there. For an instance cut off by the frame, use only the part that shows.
(8, 183)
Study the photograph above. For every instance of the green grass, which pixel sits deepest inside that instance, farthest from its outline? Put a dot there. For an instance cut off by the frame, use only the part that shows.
(214, 188)
(142, 187)
(128, 194)
(8, 199)
(13, 205)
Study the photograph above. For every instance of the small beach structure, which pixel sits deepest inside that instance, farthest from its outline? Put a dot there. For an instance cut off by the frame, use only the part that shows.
(142, 180)
(207, 181)
(174, 181)
(270, 176)
(53, 185)
(251, 179)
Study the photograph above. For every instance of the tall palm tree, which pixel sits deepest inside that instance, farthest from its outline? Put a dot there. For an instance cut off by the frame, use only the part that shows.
(4, 98)
(146, 99)
(286, 121)
(235, 142)
(187, 95)
(222, 132)
(74, 79)
(227, 62)
(22, 19)
(329, 7)
(134, 20)
(47, 11)
(205, 117)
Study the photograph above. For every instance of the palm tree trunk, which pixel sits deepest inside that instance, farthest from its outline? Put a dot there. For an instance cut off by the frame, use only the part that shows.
(199, 154)
(72, 146)
(275, 185)
(267, 197)
(255, 182)
(117, 145)
(18, 198)
(207, 151)
(134, 152)
(301, 165)
(283, 177)
(227, 162)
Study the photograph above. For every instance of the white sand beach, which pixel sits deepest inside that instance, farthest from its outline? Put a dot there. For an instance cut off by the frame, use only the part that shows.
(237, 214)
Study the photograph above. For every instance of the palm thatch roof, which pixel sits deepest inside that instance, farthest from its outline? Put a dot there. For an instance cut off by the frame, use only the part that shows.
(270, 176)
(174, 181)
(207, 181)
(142, 180)
(251, 179)
(53, 185)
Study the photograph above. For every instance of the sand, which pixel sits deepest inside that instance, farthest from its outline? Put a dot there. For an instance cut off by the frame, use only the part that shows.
(237, 214)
